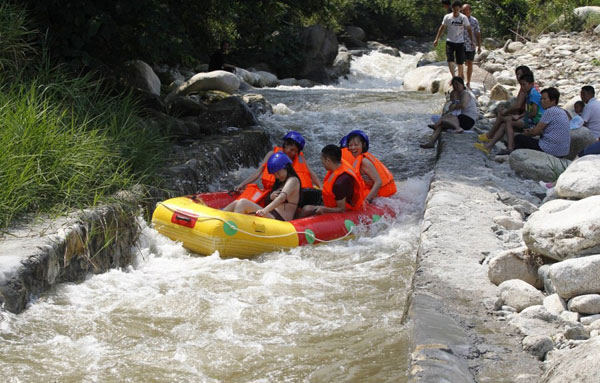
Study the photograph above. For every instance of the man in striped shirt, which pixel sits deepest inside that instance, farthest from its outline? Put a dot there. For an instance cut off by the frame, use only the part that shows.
(469, 44)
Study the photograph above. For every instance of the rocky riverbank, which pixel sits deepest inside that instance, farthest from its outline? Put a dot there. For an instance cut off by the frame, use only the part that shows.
(502, 304)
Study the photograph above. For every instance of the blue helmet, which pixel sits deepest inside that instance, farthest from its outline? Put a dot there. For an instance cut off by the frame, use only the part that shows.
(277, 161)
(344, 142)
(358, 133)
(296, 137)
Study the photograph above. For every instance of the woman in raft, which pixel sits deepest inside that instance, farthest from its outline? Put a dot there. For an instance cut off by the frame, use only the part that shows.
(283, 197)
(293, 143)
(377, 178)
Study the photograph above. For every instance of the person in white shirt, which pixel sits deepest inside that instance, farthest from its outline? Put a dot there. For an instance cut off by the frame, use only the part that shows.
(591, 112)
(456, 23)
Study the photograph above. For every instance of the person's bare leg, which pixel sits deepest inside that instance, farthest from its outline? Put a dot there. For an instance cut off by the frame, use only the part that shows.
(497, 137)
(231, 206)
(469, 73)
(451, 67)
(461, 72)
(245, 206)
(433, 138)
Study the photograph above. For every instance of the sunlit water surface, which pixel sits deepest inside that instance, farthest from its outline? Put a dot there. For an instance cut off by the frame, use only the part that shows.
(327, 313)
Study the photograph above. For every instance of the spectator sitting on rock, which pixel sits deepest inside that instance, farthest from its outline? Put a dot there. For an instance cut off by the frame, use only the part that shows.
(553, 128)
(534, 111)
(217, 60)
(460, 116)
(577, 122)
(470, 44)
(515, 110)
(456, 23)
(591, 112)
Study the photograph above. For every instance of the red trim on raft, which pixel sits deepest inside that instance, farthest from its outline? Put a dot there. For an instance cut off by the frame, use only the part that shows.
(325, 227)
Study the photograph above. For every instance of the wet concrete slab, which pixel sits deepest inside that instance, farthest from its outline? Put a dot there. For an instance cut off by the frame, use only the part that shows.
(458, 337)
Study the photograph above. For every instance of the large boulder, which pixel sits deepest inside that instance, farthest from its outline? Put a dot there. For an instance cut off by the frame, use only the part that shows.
(140, 75)
(581, 179)
(563, 229)
(484, 77)
(536, 165)
(215, 80)
(581, 365)
(356, 32)
(519, 294)
(585, 304)
(580, 139)
(499, 93)
(341, 64)
(230, 112)
(585, 12)
(428, 78)
(353, 37)
(269, 79)
(319, 50)
(577, 276)
(514, 264)
(251, 78)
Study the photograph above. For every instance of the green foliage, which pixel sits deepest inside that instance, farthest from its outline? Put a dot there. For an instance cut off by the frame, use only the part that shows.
(15, 39)
(65, 142)
(440, 50)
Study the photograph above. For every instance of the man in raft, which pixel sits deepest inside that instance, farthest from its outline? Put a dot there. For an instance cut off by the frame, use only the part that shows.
(377, 178)
(293, 143)
(343, 188)
(284, 199)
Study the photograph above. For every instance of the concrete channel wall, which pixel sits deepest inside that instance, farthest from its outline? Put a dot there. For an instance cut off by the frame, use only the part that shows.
(457, 337)
(35, 257)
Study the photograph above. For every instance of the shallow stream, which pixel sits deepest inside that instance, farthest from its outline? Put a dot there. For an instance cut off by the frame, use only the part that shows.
(327, 313)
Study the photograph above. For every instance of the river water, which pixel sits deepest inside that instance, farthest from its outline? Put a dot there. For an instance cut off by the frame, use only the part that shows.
(327, 313)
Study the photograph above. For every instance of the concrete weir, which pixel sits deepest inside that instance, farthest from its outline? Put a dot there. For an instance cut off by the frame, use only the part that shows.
(457, 337)
(35, 257)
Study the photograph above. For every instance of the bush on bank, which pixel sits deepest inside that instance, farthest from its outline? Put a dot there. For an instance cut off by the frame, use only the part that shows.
(66, 142)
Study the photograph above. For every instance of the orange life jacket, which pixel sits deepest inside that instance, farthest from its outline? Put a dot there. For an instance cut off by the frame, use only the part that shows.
(299, 165)
(388, 186)
(360, 191)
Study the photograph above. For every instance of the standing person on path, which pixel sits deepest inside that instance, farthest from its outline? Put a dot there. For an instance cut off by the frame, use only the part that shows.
(456, 23)
(470, 44)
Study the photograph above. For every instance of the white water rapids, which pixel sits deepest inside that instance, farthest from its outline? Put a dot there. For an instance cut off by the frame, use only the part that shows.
(327, 313)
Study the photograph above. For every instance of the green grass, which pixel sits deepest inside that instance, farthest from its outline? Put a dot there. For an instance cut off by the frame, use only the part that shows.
(440, 50)
(66, 141)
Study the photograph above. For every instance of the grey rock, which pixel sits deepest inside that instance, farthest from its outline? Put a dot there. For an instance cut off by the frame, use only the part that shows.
(536, 165)
(576, 332)
(563, 229)
(543, 272)
(580, 139)
(569, 316)
(538, 345)
(519, 294)
(215, 80)
(513, 264)
(555, 304)
(589, 319)
(585, 304)
(140, 75)
(581, 179)
(576, 276)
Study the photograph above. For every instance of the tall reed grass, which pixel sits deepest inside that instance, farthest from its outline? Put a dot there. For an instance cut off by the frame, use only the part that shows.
(64, 141)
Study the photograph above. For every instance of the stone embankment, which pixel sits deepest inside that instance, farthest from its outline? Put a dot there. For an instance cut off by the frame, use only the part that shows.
(506, 288)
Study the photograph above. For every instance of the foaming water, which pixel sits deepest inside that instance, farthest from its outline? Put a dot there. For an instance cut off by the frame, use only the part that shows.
(318, 313)
(331, 312)
(379, 71)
